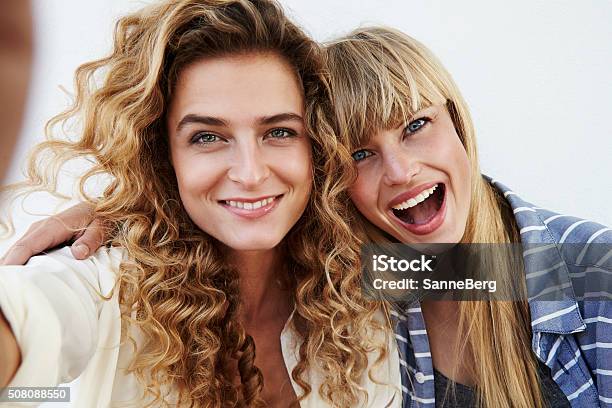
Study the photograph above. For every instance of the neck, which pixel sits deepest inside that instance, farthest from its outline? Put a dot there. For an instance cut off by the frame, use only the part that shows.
(261, 295)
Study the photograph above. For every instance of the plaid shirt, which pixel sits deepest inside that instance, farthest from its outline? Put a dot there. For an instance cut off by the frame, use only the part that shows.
(573, 337)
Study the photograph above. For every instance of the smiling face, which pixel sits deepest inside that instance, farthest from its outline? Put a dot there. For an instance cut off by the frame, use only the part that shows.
(239, 148)
(414, 180)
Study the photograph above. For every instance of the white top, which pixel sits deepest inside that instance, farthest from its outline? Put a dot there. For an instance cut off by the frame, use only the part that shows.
(65, 330)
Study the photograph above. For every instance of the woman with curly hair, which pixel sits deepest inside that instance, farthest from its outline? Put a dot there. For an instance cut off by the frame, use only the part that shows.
(225, 231)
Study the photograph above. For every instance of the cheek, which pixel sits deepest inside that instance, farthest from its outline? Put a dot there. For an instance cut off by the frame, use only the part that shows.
(195, 175)
(364, 192)
(296, 168)
(443, 148)
(447, 152)
(303, 174)
(455, 162)
(458, 159)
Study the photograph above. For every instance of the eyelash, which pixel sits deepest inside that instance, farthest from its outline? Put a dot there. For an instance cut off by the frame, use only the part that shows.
(369, 153)
(196, 139)
(289, 133)
(407, 132)
(425, 119)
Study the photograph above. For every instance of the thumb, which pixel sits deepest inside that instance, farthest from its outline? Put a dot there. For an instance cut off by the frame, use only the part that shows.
(89, 242)
(80, 250)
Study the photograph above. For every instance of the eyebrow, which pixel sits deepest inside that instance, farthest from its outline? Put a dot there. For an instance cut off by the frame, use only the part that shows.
(204, 120)
(214, 121)
(281, 117)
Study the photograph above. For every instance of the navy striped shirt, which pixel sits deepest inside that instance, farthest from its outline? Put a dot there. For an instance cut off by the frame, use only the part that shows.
(572, 336)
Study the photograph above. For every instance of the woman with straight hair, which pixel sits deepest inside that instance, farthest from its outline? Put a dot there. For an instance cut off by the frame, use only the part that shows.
(402, 122)
(230, 277)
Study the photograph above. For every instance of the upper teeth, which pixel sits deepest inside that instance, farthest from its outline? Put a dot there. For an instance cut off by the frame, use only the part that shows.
(415, 200)
(249, 205)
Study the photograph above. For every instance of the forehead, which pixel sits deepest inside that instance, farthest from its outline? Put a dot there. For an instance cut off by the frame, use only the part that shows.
(237, 87)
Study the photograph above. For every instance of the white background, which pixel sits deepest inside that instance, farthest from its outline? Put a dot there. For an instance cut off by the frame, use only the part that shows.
(536, 74)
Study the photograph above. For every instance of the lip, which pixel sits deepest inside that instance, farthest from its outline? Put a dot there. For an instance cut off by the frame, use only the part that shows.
(251, 214)
(250, 200)
(412, 193)
(433, 223)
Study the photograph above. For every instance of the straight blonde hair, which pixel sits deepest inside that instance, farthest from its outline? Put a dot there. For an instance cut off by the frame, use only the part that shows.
(379, 77)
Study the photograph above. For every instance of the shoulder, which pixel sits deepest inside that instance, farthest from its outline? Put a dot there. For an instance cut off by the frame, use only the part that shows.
(537, 224)
(98, 272)
(584, 249)
(104, 256)
(579, 250)
(60, 308)
(584, 246)
(565, 228)
(102, 268)
(107, 258)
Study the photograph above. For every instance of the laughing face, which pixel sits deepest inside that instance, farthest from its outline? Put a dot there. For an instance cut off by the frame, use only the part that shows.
(240, 150)
(414, 181)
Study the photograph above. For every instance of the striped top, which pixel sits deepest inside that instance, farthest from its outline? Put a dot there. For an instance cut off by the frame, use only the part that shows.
(572, 336)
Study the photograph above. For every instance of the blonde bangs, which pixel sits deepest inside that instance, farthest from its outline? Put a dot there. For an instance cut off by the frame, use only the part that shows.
(379, 81)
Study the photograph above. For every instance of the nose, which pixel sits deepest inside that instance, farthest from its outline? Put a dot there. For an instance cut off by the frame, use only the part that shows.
(249, 166)
(398, 167)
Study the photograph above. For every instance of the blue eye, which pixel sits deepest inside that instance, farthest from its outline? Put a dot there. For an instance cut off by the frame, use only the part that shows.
(204, 138)
(359, 155)
(281, 133)
(416, 125)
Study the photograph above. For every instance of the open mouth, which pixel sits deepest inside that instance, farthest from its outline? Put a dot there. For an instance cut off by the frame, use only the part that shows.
(423, 208)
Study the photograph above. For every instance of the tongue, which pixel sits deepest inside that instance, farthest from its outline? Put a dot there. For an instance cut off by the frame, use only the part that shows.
(420, 213)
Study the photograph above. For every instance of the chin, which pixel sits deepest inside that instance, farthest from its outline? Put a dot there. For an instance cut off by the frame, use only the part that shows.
(258, 243)
(248, 247)
(453, 236)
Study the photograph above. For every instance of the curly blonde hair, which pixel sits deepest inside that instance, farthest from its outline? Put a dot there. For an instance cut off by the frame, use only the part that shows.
(177, 288)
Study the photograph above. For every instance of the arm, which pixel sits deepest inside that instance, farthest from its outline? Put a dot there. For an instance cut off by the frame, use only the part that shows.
(10, 356)
(56, 230)
(15, 61)
(57, 314)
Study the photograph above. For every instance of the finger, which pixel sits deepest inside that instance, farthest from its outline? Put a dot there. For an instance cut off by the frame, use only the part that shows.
(47, 234)
(18, 254)
(40, 236)
(89, 242)
(80, 251)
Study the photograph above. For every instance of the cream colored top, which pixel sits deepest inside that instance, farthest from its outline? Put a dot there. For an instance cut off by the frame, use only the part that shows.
(66, 330)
